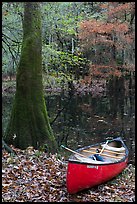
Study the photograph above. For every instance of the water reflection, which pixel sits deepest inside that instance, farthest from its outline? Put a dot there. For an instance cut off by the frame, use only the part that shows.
(85, 120)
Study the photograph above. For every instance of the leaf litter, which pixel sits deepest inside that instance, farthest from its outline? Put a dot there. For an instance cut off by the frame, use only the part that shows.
(34, 176)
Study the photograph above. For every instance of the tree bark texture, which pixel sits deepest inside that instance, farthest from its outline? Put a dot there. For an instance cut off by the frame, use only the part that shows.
(29, 122)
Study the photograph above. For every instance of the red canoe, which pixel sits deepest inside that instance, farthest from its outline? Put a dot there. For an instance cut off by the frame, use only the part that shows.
(96, 164)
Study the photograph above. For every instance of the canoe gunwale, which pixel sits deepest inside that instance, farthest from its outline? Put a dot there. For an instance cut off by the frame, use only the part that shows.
(124, 158)
(97, 164)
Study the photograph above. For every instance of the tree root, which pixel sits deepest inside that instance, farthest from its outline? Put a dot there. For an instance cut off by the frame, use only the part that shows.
(7, 148)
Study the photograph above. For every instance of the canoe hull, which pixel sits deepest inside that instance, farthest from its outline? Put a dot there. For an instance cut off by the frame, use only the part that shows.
(85, 173)
(82, 176)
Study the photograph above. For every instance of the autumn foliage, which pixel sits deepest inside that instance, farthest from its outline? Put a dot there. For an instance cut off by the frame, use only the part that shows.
(109, 41)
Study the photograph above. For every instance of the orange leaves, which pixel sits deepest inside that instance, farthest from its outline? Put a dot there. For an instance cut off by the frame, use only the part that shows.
(94, 26)
(86, 81)
(121, 27)
(129, 38)
(98, 27)
(103, 5)
(109, 37)
(95, 32)
(33, 178)
(117, 73)
(119, 9)
(92, 32)
(104, 71)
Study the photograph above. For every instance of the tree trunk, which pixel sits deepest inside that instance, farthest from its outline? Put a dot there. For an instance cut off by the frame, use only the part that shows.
(29, 122)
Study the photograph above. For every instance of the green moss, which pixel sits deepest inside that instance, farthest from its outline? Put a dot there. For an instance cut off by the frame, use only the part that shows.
(29, 118)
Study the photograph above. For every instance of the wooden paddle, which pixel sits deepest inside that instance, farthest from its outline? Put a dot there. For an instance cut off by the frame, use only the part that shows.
(103, 148)
(73, 151)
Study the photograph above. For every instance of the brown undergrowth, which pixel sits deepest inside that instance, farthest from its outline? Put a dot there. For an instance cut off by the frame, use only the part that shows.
(34, 176)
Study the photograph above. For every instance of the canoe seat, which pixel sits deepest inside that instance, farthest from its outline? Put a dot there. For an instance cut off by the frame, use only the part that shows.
(117, 149)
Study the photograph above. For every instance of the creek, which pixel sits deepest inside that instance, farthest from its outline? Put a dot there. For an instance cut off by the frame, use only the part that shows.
(84, 119)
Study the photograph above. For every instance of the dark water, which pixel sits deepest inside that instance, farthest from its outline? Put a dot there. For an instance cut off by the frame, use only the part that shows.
(84, 119)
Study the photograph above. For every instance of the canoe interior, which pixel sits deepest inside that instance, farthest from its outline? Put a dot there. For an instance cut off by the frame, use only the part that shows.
(114, 153)
(117, 144)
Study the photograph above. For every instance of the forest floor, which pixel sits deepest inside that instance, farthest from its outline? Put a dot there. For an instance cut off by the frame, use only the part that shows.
(34, 176)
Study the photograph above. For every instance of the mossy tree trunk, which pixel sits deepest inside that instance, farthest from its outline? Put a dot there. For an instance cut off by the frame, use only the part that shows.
(29, 122)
